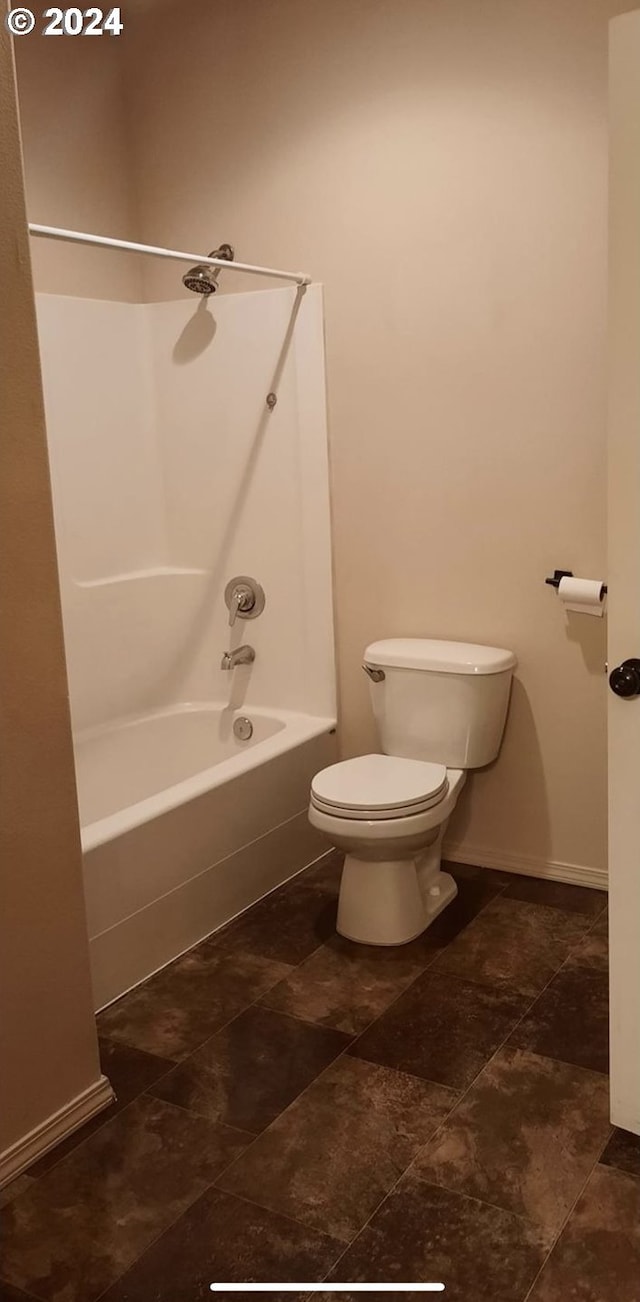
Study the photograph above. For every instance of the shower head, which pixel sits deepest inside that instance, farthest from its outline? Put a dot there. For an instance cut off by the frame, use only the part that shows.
(202, 279)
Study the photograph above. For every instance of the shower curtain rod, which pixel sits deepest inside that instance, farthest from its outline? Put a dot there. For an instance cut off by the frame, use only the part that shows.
(80, 237)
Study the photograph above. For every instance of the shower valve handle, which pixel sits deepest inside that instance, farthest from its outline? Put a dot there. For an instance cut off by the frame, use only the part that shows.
(244, 597)
(242, 600)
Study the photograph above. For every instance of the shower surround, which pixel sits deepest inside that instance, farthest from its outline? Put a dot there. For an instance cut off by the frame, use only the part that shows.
(171, 475)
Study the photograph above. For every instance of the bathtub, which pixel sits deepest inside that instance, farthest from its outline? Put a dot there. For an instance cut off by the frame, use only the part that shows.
(184, 825)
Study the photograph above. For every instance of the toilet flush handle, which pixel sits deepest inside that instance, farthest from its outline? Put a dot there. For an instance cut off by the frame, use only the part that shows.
(376, 674)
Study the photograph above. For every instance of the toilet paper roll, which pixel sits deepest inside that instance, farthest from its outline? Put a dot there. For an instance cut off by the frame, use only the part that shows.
(586, 596)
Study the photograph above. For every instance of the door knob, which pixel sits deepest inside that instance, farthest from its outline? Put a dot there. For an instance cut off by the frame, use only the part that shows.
(625, 679)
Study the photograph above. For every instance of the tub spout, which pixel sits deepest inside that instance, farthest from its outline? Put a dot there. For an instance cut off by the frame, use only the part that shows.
(243, 655)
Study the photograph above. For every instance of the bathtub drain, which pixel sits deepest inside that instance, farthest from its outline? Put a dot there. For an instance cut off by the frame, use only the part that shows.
(242, 728)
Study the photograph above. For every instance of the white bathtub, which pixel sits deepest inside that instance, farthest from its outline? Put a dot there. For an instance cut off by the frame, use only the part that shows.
(184, 825)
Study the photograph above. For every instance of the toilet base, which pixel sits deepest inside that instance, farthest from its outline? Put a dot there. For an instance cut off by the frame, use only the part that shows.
(392, 901)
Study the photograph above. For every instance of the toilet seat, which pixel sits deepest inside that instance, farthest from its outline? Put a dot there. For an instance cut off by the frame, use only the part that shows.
(379, 787)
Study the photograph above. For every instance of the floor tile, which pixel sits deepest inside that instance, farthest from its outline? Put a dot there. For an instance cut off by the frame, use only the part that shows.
(15, 1189)
(286, 925)
(515, 944)
(345, 1295)
(593, 951)
(490, 877)
(442, 1029)
(225, 1239)
(623, 1151)
(477, 887)
(296, 930)
(331, 1157)
(524, 1138)
(76, 1230)
(558, 895)
(253, 1069)
(176, 1011)
(130, 1072)
(325, 875)
(345, 985)
(10, 1294)
(570, 1020)
(328, 872)
(597, 1257)
(425, 1234)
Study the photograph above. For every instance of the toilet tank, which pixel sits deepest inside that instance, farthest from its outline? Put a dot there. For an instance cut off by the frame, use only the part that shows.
(440, 701)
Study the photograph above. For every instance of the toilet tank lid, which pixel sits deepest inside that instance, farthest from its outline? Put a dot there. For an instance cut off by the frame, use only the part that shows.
(440, 657)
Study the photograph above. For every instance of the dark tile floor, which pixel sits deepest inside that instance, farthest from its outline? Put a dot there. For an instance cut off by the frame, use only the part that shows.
(292, 1107)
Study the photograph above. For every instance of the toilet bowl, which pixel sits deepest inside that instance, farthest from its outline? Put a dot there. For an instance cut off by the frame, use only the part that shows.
(389, 816)
(438, 714)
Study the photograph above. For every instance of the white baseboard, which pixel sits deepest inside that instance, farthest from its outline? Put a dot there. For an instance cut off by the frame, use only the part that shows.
(572, 873)
(38, 1141)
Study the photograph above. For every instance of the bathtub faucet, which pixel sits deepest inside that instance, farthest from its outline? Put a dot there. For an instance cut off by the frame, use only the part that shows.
(243, 655)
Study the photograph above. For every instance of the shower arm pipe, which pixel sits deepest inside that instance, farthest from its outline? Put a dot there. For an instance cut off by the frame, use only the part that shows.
(102, 241)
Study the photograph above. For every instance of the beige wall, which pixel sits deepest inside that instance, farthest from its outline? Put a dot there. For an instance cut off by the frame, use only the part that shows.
(441, 167)
(48, 1046)
(77, 162)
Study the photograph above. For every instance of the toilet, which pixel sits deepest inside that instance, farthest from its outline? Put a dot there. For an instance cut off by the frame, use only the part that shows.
(440, 709)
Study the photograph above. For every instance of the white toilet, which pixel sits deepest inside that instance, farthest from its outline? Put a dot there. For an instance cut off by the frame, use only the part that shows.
(440, 708)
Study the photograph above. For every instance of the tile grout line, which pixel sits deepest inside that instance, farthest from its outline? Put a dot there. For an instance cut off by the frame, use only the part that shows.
(213, 937)
(429, 1141)
(147, 1248)
(459, 1101)
(200, 1116)
(294, 966)
(459, 1193)
(471, 1084)
(273, 1123)
(569, 1214)
(358, 1034)
(452, 1109)
(581, 967)
(171, 1062)
(427, 968)
(482, 1202)
(251, 1202)
(106, 1120)
(172, 1065)
(224, 1025)
(344, 1052)
(258, 1003)
(264, 1206)
(30, 1297)
(495, 1053)
(561, 1062)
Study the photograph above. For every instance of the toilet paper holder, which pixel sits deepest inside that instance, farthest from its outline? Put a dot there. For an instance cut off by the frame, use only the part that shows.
(568, 574)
